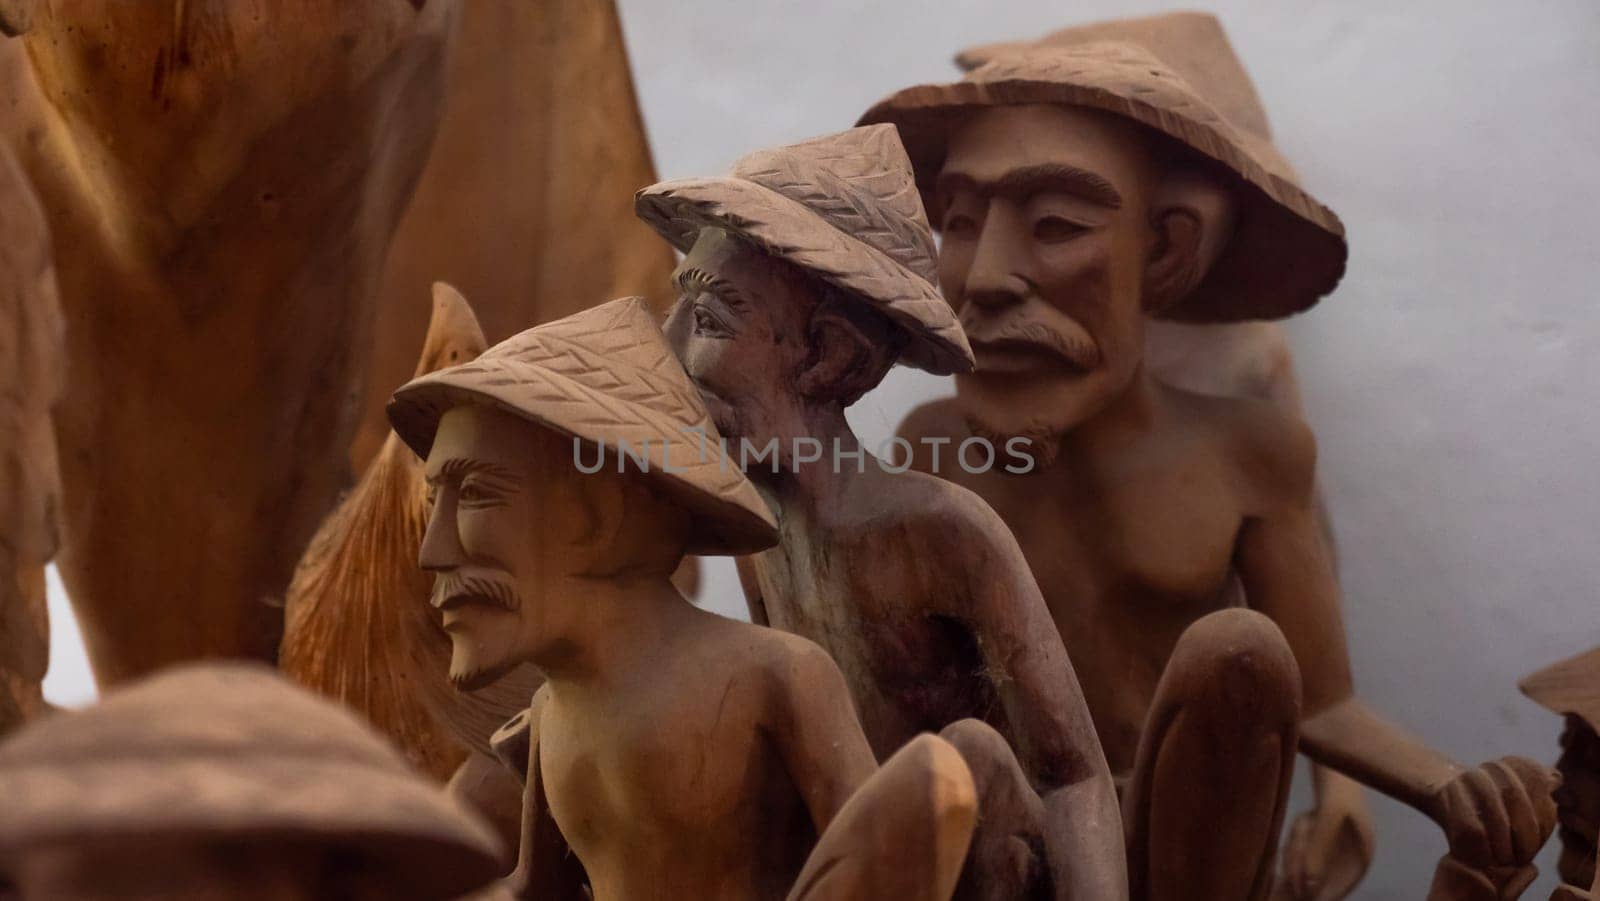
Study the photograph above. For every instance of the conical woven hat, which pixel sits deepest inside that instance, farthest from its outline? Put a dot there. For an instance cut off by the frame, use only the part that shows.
(1287, 251)
(605, 375)
(844, 207)
(1193, 44)
(1569, 687)
(233, 751)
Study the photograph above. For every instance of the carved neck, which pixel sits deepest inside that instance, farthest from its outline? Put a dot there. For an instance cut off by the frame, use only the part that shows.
(1128, 415)
(622, 625)
(813, 484)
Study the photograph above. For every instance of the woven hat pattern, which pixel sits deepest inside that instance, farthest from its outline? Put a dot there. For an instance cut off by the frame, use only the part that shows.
(1140, 81)
(844, 207)
(605, 375)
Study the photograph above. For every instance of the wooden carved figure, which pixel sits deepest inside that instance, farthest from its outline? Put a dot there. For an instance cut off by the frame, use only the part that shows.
(671, 753)
(223, 782)
(1571, 690)
(227, 176)
(1330, 847)
(809, 273)
(358, 626)
(1078, 189)
(31, 372)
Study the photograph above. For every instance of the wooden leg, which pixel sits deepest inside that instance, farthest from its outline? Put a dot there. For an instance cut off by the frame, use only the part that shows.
(1006, 861)
(1211, 777)
(903, 835)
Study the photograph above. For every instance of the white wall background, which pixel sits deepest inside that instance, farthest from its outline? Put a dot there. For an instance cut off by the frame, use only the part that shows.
(1451, 378)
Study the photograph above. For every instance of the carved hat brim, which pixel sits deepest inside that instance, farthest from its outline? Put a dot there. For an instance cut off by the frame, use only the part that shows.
(234, 752)
(1288, 250)
(787, 229)
(606, 376)
(1570, 687)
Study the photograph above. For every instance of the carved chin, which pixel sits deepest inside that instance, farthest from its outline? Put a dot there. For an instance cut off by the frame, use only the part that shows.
(470, 670)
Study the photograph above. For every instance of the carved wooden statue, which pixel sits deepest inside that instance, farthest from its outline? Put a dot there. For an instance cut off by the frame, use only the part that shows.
(1079, 188)
(31, 372)
(358, 626)
(222, 781)
(1571, 689)
(672, 753)
(1330, 847)
(809, 273)
(226, 182)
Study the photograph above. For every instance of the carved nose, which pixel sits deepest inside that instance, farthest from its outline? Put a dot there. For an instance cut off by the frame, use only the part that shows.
(995, 294)
(441, 546)
(995, 278)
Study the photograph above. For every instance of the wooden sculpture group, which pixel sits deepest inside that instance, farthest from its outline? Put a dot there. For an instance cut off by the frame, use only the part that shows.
(1063, 639)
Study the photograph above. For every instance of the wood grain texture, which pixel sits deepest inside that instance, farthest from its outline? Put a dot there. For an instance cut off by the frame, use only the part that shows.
(222, 184)
(526, 202)
(32, 368)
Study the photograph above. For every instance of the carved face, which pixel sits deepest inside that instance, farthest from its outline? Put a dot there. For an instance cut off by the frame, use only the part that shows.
(496, 539)
(1045, 214)
(1578, 802)
(740, 328)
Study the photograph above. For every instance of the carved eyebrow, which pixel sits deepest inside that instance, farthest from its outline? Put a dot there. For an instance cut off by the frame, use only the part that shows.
(689, 277)
(461, 467)
(1034, 179)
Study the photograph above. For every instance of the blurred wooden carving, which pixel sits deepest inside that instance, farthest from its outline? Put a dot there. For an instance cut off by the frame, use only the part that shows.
(809, 273)
(526, 202)
(358, 626)
(227, 183)
(221, 780)
(31, 372)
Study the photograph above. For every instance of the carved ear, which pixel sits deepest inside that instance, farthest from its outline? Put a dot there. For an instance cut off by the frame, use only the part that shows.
(16, 17)
(1193, 216)
(840, 364)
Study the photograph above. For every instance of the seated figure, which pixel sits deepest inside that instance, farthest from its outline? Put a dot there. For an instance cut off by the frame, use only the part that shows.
(1570, 688)
(809, 274)
(1080, 186)
(223, 782)
(671, 753)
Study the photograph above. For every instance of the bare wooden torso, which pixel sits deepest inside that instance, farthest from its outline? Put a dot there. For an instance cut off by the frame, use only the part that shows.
(667, 793)
(880, 578)
(1130, 543)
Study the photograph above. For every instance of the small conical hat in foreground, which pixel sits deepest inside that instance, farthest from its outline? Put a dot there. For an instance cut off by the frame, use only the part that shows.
(1570, 687)
(1288, 249)
(845, 208)
(608, 376)
(224, 752)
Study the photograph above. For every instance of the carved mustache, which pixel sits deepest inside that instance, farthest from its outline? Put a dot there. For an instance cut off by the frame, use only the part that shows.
(1064, 338)
(452, 589)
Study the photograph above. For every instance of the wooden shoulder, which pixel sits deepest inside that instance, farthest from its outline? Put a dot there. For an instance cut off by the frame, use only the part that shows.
(1272, 449)
(958, 539)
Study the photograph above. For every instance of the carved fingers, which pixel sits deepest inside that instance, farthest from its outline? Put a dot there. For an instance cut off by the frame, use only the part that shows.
(1499, 814)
